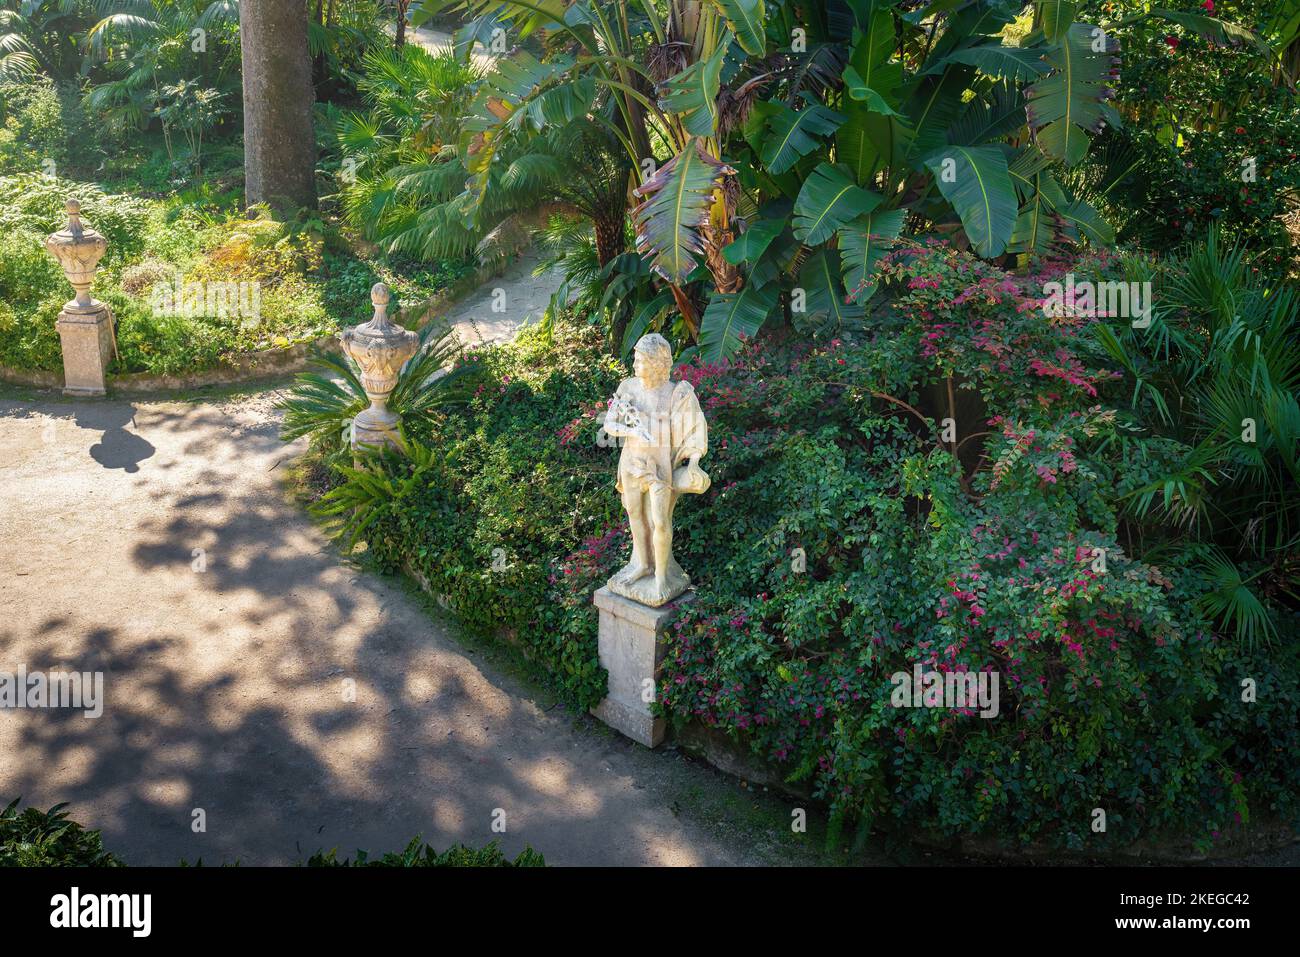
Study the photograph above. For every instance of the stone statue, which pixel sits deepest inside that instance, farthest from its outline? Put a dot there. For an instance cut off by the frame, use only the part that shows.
(664, 436)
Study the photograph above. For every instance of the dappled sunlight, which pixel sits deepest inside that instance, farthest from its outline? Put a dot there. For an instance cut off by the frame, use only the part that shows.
(253, 678)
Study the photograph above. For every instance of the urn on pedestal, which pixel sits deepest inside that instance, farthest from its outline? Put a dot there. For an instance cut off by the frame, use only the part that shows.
(85, 324)
(380, 348)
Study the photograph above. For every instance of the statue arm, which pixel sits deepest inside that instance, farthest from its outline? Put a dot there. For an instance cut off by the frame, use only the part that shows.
(693, 431)
(617, 428)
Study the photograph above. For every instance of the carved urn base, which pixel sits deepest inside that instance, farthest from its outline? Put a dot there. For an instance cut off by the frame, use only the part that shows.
(376, 428)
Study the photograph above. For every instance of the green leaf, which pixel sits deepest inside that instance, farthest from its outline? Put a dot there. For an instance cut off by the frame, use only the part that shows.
(995, 114)
(824, 300)
(746, 20)
(857, 89)
(677, 200)
(863, 243)
(730, 316)
(934, 107)
(1073, 99)
(793, 133)
(974, 179)
(753, 241)
(873, 45)
(693, 93)
(1089, 223)
(828, 200)
(1057, 16)
(1211, 28)
(868, 142)
(1016, 63)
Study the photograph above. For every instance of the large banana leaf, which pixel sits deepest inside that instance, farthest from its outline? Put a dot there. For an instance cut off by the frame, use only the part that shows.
(858, 89)
(828, 200)
(934, 107)
(868, 141)
(1089, 223)
(731, 316)
(793, 133)
(1211, 28)
(753, 242)
(825, 305)
(863, 243)
(677, 200)
(1073, 99)
(1017, 63)
(870, 59)
(992, 114)
(1056, 17)
(974, 179)
(693, 93)
(746, 20)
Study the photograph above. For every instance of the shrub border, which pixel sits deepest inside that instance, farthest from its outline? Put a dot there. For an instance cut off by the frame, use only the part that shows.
(251, 366)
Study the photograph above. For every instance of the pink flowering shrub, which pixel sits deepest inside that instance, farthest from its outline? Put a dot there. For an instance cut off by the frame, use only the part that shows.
(843, 541)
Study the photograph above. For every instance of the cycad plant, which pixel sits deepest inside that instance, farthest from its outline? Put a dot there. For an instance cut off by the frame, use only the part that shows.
(325, 399)
(1218, 374)
(374, 486)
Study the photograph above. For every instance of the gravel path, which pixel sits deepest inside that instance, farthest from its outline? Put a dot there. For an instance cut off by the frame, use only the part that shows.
(155, 542)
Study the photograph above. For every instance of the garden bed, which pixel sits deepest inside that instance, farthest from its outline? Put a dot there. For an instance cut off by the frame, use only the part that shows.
(274, 362)
(1123, 689)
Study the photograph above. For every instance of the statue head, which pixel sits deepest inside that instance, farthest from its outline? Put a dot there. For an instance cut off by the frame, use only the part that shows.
(652, 358)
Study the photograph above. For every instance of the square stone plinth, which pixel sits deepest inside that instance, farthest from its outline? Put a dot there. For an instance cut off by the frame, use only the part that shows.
(631, 650)
(87, 340)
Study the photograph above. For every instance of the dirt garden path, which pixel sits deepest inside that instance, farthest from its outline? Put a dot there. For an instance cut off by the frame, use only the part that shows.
(155, 541)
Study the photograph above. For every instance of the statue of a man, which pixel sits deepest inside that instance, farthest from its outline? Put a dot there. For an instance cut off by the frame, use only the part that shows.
(664, 435)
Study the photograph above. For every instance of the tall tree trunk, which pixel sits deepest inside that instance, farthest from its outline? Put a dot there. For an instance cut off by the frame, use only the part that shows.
(279, 141)
(402, 7)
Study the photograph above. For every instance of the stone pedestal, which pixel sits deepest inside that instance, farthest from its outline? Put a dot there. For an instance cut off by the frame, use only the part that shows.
(87, 339)
(631, 650)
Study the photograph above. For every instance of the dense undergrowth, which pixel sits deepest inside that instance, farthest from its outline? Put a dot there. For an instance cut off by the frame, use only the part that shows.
(844, 541)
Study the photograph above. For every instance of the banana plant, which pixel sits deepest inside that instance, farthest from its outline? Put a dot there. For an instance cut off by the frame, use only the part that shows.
(782, 146)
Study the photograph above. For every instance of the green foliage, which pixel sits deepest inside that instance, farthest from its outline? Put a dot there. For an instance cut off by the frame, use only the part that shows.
(35, 202)
(32, 838)
(510, 489)
(418, 854)
(1211, 135)
(32, 125)
(1217, 376)
(842, 541)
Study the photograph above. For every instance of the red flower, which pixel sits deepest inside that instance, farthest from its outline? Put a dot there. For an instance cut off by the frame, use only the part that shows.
(1209, 6)
(1172, 42)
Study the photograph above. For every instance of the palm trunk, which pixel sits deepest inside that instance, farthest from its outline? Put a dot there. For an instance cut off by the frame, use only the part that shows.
(279, 141)
(402, 6)
(610, 235)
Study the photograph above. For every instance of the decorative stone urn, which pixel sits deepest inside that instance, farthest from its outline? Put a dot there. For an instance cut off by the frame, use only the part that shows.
(85, 325)
(380, 348)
